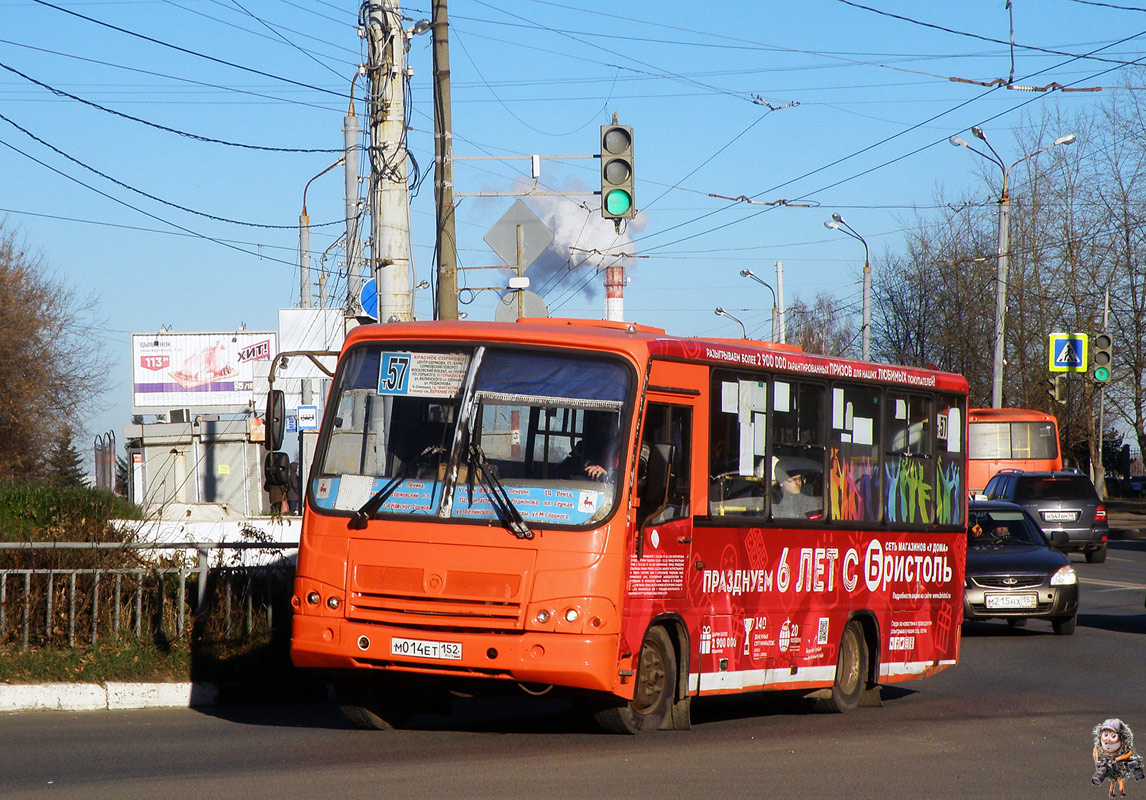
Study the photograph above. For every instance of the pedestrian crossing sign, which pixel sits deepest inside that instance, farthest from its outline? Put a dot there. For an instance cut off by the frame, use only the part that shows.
(1068, 352)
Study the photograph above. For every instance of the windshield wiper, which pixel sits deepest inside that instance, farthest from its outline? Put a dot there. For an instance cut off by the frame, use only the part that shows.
(497, 494)
(370, 507)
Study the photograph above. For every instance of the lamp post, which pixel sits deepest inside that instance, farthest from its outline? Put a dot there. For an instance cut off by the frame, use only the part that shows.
(747, 273)
(304, 242)
(720, 312)
(1004, 247)
(837, 223)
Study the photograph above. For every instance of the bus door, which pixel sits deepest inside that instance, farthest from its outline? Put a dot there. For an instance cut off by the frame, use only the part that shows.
(663, 515)
(661, 565)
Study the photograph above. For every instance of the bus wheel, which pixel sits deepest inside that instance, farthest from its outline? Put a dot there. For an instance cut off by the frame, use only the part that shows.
(367, 705)
(851, 669)
(654, 692)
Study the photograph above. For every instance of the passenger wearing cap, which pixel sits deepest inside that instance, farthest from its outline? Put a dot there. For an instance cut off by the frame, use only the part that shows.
(790, 499)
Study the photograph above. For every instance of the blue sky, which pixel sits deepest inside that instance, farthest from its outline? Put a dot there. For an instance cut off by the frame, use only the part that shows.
(832, 105)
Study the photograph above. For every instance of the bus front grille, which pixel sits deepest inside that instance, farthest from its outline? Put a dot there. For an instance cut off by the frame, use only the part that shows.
(434, 612)
(438, 598)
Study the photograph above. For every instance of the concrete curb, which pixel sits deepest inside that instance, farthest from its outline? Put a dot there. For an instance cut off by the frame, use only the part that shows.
(111, 696)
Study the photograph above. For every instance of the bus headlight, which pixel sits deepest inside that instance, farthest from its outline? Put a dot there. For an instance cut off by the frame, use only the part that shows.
(542, 616)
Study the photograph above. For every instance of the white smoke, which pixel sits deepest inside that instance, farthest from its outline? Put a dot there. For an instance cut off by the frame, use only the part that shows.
(584, 244)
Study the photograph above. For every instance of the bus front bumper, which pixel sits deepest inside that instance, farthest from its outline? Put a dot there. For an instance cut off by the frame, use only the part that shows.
(570, 660)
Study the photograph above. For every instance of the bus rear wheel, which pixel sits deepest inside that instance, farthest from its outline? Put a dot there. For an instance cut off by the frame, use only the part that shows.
(654, 692)
(367, 705)
(851, 669)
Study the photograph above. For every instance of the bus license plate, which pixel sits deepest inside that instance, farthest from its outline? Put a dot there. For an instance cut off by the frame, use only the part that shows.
(1012, 600)
(420, 648)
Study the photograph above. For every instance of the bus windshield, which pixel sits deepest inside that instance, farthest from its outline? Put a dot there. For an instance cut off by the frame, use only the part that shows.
(454, 432)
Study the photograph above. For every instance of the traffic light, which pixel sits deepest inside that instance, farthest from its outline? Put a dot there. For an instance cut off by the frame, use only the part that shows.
(1103, 345)
(1056, 388)
(617, 200)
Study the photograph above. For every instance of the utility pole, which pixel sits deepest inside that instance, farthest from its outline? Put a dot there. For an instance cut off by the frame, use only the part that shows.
(389, 189)
(353, 247)
(445, 243)
(780, 301)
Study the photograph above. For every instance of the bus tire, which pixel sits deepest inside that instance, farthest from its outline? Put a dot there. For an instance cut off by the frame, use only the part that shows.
(654, 692)
(366, 706)
(851, 669)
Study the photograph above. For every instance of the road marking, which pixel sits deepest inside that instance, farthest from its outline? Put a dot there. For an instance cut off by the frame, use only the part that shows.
(1113, 584)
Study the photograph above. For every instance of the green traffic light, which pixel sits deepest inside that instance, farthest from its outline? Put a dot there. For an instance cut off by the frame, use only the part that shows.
(617, 202)
(1102, 374)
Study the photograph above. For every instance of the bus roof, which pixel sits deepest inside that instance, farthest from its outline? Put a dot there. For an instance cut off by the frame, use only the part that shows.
(1008, 415)
(641, 341)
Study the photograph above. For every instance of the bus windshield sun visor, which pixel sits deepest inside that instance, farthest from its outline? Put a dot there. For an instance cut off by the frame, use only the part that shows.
(360, 517)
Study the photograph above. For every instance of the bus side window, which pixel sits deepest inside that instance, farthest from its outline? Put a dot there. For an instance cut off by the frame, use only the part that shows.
(854, 444)
(668, 429)
(737, 436)
(797, 449)
(909, 462)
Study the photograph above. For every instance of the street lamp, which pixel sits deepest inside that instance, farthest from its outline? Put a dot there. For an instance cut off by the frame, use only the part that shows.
(720, 312)
(304, 242)
(1004, 247)
(747, 273)
(837, 223)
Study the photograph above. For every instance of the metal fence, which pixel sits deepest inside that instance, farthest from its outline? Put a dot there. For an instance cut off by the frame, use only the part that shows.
(58, 605)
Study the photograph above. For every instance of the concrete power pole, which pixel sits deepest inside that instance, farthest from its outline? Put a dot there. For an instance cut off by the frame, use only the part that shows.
(389, 188)
(446, 243)
(353, 248)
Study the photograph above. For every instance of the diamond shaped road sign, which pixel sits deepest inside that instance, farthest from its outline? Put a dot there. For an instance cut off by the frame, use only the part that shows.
(535, 237)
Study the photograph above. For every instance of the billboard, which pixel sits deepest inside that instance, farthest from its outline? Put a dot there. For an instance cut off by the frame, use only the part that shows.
(175, 370)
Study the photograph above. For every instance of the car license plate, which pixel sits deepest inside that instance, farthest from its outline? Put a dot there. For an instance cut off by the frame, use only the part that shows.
(1012, 600)
(420, 648)
(1060, 516)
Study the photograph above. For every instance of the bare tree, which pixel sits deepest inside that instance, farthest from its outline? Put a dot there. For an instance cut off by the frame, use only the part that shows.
(52, 367)
(824, 327)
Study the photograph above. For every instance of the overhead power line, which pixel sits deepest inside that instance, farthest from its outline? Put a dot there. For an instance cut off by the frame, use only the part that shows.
(142, 193)
(184, 50)
(196, 137)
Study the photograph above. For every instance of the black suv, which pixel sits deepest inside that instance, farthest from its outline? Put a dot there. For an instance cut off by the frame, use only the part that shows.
(1059, 501)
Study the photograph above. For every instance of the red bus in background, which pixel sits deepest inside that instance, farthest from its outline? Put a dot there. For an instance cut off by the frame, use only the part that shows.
(628, 518)
(1010, 438)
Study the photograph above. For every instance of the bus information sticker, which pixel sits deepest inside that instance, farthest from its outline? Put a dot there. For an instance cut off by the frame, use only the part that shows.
(422, 374)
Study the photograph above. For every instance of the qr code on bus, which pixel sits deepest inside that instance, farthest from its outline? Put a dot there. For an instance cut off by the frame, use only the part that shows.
(822, 632)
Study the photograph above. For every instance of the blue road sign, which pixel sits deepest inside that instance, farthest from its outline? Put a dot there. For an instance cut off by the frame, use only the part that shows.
(369, 298)
(1068, 352)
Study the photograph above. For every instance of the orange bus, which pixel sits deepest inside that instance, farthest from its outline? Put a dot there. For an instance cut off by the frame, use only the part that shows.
(626, 517)
(1010, 438)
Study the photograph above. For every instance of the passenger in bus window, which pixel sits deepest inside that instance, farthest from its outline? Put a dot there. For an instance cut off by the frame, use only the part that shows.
(596, 453)
(792, 496)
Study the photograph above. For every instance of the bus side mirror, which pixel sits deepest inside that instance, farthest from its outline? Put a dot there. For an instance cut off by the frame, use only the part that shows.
(276, 470)
(275, 420)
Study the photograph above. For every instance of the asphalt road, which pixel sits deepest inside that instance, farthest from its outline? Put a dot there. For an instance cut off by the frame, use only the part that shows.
(1013, 719)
